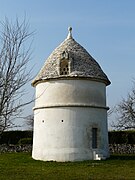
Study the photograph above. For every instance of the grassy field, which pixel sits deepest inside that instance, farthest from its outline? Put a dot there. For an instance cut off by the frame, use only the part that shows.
(17, 166)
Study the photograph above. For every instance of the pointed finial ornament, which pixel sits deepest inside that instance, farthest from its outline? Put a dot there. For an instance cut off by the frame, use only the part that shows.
(69, 33)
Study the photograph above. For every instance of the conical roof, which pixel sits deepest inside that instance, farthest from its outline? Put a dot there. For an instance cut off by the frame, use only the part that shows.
(83, 65)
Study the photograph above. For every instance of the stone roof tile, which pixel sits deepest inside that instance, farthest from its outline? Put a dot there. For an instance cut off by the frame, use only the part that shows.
(83, 64)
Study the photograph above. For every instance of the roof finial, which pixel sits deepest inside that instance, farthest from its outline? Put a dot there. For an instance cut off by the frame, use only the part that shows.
(69, 33)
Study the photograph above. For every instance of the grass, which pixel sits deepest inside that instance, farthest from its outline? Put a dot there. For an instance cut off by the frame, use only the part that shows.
(15, 166)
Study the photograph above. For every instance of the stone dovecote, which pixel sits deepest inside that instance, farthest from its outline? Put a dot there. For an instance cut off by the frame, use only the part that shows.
(70, 112)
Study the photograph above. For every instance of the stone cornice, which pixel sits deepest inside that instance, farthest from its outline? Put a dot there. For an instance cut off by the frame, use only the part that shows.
(70, 105)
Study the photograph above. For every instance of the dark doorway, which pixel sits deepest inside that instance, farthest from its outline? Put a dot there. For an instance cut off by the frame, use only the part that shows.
(94, 137)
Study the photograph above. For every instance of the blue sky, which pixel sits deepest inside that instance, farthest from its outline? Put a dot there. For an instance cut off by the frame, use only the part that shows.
(105, 28)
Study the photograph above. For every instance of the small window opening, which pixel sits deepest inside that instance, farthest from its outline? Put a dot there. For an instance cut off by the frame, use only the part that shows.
(64, 67)
(94, 137)
(61, 120)
(64, 55)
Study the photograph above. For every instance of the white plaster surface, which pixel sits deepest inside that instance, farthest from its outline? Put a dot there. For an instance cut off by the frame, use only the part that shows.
(70, 140)
(79, 92)
(64, 114)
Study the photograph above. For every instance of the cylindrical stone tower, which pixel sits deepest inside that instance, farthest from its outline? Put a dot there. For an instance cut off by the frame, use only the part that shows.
(70, 113)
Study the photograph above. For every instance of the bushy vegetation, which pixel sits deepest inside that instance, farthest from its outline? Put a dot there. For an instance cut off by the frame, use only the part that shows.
(25, 141)
(122, 137)
(13, 137)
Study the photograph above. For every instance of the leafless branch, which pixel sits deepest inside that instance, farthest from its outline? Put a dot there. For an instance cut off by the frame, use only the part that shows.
(14, 75)
(125, 111)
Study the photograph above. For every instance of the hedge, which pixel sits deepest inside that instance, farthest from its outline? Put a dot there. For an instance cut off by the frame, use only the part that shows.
(13, 137)
(122, 137)
(25, 141)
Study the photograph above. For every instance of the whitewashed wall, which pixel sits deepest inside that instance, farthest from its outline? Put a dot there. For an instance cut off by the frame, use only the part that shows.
(64, 114)
(70, 92)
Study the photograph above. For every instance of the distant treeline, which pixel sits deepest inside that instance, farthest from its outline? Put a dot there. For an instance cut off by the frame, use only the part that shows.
(15, 137)
(122, 137)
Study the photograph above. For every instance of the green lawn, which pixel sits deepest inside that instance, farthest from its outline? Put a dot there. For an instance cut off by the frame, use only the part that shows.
(21, 166)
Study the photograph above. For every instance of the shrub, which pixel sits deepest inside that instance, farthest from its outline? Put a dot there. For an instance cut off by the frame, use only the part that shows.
(12, 137)
(122, 137)
(25, 141)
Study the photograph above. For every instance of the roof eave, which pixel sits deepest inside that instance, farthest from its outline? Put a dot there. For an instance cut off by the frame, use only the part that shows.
(105, 81)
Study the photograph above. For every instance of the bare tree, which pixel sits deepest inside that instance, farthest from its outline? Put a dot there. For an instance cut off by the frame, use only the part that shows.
(14, 74)
(125, 111)
(110, 111)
